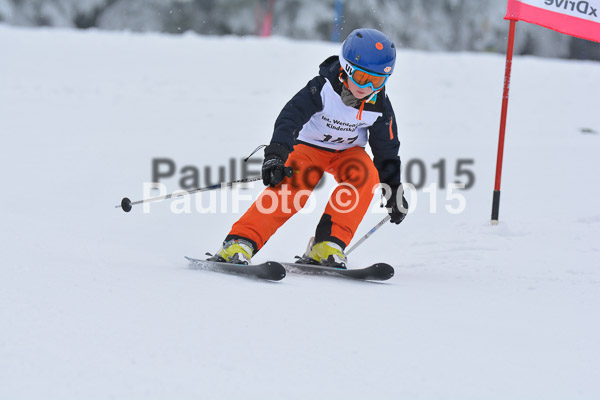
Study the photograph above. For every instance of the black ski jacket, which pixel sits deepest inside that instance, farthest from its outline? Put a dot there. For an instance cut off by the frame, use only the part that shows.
(382, 133)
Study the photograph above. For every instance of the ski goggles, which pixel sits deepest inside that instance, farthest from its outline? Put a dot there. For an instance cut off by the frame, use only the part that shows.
(363, 79)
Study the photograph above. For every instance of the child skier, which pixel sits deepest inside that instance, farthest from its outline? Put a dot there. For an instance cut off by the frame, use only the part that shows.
(324, 128)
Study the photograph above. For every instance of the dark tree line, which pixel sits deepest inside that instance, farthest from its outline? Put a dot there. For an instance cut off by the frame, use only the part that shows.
(438, 25)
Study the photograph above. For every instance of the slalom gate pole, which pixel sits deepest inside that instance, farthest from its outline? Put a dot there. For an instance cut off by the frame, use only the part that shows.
(126, 204)
(507, 72)
(372, 231)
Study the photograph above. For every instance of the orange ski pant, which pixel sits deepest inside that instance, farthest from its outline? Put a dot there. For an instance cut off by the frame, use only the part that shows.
(357, 179)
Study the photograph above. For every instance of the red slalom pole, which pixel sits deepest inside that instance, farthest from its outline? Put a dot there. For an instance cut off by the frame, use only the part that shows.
(509, 56)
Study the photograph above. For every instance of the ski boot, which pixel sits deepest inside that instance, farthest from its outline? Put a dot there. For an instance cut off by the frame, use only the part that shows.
(324, 253)
(236, 251)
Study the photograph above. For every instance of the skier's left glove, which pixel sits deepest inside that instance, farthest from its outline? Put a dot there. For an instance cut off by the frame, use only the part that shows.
(273, 168)
(396, 213)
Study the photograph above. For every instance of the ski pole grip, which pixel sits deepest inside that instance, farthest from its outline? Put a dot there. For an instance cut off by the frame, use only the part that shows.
(288, 171)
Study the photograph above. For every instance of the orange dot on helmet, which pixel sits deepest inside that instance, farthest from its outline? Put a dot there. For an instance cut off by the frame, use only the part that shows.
(379, 46)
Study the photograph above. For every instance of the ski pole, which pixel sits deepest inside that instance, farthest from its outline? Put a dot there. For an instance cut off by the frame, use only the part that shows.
(126, 204)
(372, 231)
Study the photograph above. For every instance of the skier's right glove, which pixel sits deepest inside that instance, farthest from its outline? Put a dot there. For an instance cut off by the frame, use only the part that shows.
(273, 168)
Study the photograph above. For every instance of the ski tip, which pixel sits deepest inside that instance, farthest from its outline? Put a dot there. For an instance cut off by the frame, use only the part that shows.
(276, 270)
(385, 270)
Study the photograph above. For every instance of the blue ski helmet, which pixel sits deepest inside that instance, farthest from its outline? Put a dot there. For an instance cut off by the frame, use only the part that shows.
(370, 50)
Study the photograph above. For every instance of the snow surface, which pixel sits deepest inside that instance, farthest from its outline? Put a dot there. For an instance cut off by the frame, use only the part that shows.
(96, 303)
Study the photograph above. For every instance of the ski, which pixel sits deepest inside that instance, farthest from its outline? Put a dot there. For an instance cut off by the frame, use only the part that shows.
(269, 270)
(375, 272)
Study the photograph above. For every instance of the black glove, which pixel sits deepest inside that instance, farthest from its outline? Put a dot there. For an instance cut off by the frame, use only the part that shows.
(273, 168)
(397, 215)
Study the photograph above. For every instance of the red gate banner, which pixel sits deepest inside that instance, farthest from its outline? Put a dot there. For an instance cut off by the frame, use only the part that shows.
(575, 18)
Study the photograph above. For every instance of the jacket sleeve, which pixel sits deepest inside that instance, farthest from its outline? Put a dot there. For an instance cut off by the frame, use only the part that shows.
(384, 142)
(297, 112)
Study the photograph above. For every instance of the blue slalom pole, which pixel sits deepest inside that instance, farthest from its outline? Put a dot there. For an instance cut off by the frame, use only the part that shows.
(336, 32)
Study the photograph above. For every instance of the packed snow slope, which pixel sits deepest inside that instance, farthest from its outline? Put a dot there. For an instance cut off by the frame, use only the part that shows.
(96, 303)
